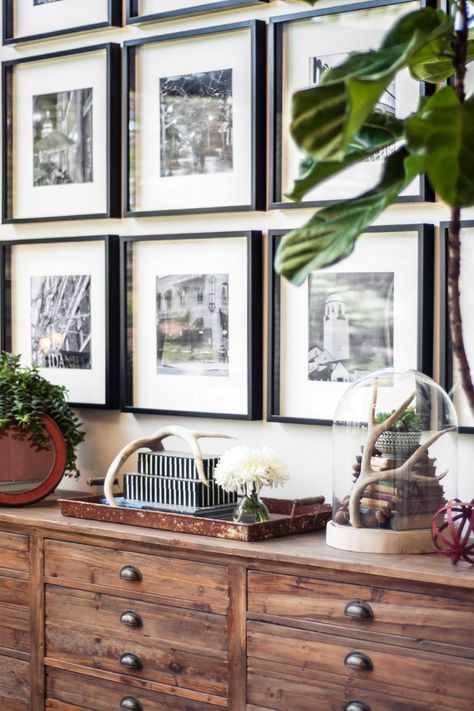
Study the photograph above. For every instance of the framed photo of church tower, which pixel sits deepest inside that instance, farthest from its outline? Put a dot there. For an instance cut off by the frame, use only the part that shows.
(371, 311)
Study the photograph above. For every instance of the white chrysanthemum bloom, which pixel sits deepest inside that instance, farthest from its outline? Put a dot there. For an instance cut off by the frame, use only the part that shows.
(246, 470)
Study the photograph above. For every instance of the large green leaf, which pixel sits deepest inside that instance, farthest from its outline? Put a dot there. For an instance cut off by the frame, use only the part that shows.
(439, 67)
(328, 116)
(379, 131)
(330, 235)
(442, 137)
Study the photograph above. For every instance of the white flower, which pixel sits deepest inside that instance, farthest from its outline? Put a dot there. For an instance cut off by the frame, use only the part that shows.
(244, 469)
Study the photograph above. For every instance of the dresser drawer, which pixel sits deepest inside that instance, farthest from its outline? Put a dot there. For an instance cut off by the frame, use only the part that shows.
(14, 551)
(133, 620)
(416, 616)
(200, 585)
(14, 685)
(317, 657)
(67, 692)
(14, 614)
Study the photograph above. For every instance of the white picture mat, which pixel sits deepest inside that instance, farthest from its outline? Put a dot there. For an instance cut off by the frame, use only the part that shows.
(225, 50)
(32, 19)
(64, 258)
(152, 7)
(395, 252)
(333, 34)
(465, 416)
(197, 393)
(80, 71)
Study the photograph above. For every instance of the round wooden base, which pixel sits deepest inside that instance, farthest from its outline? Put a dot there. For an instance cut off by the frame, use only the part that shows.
(378, 540)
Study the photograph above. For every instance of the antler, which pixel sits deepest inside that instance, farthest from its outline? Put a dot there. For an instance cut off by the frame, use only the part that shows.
(154, 442)
(370, 476)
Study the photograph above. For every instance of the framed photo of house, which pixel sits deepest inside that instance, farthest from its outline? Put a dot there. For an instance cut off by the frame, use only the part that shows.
(60, 312)
(450, 377)
(31, 20)
(140, 11)
(195, 116)
(192, 325)
(61, 135)
(373, 310)
(302, 47)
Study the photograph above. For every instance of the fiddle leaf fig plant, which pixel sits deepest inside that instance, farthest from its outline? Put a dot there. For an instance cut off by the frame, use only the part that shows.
(336, 124)
(25, 396)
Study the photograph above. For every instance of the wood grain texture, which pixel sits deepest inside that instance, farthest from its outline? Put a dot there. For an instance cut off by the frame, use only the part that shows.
(416, 617)
(14, 684)
(37, 622)
(314, 656)
(204, 586)
(14, 551)
(67, 691)
(237, 623)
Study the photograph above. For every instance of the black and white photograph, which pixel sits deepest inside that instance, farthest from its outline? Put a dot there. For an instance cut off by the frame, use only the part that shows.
(61, 321)
(62, 143)
(350, 326)
(192, 312)
(196, 123)
(44, 2)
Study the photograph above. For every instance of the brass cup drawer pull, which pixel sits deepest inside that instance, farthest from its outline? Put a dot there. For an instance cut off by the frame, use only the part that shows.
(130, 703)
(130, 618)
(131, 661)
(354, 705)
(359, 610)
(359, 661)
(130, 573)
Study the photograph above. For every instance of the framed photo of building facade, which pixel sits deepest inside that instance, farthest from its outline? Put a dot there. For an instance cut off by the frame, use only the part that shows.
(373, 310)
(61, 135)
(60, 312)
(195, 111)
(192, 325)
(450, 378)
(30, 20)
(139, 11)
(302, 47)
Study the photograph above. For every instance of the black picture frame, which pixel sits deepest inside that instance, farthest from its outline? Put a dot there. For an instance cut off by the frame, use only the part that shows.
(278, 131)
(111, 316)
(9, 36)
(256, 116)
(447, 362)
(253, 328)
(111, 149)
(133, 15)
(425, 287)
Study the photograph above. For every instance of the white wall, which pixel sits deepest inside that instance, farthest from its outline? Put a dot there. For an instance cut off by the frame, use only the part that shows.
(306, 448)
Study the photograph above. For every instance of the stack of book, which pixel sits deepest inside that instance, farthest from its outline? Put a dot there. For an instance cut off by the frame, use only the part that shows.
(170, 481)
(405, 503)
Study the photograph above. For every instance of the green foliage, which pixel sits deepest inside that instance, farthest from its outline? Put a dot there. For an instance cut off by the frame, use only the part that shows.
(25, 396)
(409, 420)
(337, 126)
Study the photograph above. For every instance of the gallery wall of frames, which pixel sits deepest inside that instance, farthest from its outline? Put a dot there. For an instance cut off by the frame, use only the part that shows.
(146, 160)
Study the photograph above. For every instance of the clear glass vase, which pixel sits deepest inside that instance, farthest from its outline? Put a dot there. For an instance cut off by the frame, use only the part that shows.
(250, 509)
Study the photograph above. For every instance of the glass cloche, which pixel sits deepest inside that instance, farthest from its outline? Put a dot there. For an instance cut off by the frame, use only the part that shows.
(394, 462)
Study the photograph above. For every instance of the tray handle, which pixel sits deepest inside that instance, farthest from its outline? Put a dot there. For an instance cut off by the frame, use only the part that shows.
(308, 501)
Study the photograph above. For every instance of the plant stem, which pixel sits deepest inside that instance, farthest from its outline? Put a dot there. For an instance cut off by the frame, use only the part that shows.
(454, 241)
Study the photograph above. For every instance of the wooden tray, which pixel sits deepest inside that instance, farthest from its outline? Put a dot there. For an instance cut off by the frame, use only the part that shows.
(286, 517)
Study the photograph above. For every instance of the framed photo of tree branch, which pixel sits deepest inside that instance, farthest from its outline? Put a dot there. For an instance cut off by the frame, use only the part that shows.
(302, 47)
(450, 376)
(192, 325)
(60, 312)
(372, 310)
(30, 20)
(61, 135)
(140, 11)
(195, 115)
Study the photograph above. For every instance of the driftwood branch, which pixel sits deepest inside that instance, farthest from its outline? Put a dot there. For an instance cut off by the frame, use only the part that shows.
(155, 443)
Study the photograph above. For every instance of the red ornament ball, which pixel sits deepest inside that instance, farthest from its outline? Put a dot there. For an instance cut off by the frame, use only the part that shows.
(452, 530)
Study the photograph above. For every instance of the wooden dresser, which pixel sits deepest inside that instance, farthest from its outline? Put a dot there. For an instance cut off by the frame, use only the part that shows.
(106, 617)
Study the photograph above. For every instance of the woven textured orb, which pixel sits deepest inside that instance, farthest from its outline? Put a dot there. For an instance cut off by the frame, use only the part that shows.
(454, 537)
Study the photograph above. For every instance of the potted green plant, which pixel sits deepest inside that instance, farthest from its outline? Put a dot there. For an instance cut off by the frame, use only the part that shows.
(26, 399)
(403, 437)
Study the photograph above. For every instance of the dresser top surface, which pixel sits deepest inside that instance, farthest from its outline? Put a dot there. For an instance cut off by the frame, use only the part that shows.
(307, 549)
